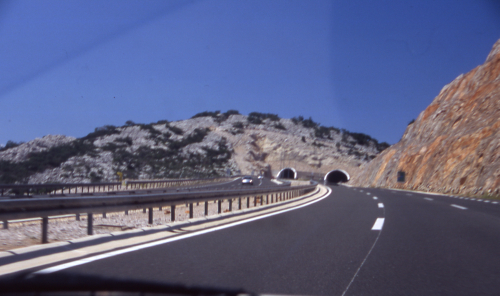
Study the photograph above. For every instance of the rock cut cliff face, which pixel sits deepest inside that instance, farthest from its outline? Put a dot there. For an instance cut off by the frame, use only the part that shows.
(454, 144)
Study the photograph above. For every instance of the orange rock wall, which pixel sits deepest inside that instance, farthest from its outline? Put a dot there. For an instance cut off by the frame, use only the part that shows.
(454, 144)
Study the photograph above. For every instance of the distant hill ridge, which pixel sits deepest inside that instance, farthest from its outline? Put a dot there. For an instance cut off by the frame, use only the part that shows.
(207, 145)
(454, 145)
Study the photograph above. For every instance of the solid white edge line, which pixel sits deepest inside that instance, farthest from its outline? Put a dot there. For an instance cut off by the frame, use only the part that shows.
(379, 223)
(380, 205)
(459, 207)
(168, 240)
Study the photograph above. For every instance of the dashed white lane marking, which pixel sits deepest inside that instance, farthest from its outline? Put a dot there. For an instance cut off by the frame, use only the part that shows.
(494, 202)
(379, 223)
(459, 207)
(479, 200)
(380, 205)
(428, 198)
(461, 197)
(486, 201)
(368, 193)
(375, 198)
(361, 191)
(409, 194)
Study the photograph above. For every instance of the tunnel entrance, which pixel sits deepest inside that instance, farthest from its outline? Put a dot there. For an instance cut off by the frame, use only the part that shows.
(287, 173)
(337, 176)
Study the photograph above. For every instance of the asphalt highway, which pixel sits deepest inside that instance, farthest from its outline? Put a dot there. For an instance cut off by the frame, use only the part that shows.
(357, 241)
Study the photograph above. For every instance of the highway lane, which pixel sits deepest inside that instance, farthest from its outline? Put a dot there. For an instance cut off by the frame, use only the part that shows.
(426, 247)
(311, 250)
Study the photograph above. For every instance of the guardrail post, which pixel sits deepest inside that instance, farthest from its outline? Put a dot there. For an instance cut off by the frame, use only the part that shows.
(255, 201)
(104, 215)
(5, 224)
(239, 203)
(90, 220)
(77, 217)
(45, 230)
(230, 204)
(172, 213)
(150, 220)
(191, 210)
(126, 212)
(159, 208)
(267, 199)
(206, 208)
(248, 202)
(219, 206)
(261, 199)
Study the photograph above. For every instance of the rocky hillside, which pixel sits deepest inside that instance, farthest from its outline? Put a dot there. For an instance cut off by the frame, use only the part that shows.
(454, 144)
(209, 144)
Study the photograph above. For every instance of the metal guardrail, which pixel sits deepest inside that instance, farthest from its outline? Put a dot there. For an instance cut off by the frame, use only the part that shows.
(51, 206)
(75, 188)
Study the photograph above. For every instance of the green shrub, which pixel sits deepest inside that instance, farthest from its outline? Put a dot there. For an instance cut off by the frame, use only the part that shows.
(176, 130)
(127, 140)
(10, 144)
(207, 114)
(238, 124)
(279, 126)
(257, 118)
(100, 132)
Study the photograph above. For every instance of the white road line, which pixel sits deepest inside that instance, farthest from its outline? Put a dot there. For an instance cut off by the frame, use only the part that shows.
(375, 198)
(380, 205)
(368, 193)
(168, 240)
(361, 191)
(379, 223)
(461, 197)
(409, 194)
(486, 201)
(494, 202)
(459, 207)
(428, 198)
(479, 200)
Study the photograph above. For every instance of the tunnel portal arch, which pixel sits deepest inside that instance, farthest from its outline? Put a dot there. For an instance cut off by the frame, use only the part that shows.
(337, 176)
(287, 173)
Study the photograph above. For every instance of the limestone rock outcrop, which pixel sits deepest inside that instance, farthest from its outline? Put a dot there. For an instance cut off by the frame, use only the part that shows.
(454, 144)
(203, 146)
(21, 152)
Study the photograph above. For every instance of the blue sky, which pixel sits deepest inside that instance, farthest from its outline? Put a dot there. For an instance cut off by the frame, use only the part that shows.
(366, 66)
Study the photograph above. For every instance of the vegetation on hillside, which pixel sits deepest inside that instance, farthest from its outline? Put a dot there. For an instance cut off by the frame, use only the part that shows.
(167, 159)
(10, 144)
(348, 137)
